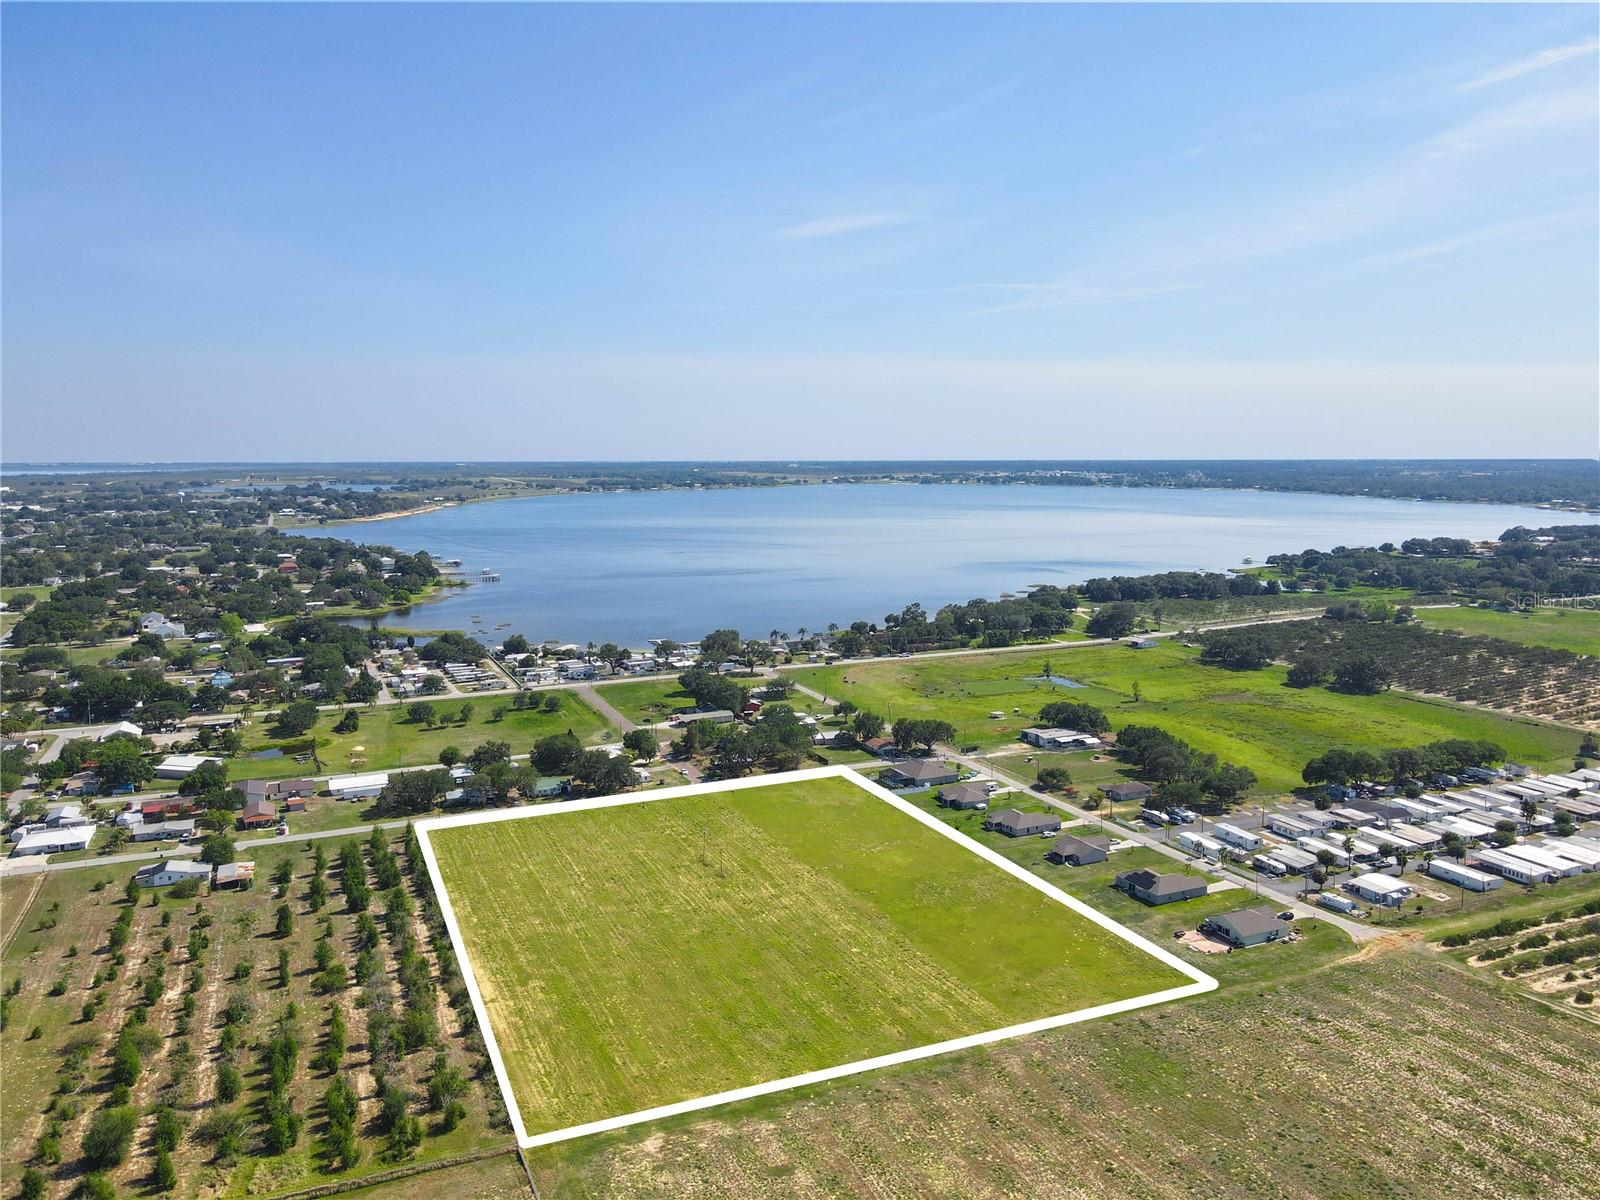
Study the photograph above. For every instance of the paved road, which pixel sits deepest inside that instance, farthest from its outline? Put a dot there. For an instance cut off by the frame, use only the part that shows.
(591, 697)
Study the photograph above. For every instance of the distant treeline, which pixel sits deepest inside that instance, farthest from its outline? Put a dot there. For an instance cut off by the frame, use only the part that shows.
(1558, 561)
(1510, 481)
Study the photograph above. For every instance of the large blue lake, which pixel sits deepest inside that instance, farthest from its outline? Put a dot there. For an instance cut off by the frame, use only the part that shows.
(628, 566)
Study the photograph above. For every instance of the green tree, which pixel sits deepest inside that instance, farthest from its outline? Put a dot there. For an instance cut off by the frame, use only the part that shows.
(641, 743)
(121, 762)
(164, 1178)
(217, 849)
(297, 718)
(1074, 714)
(1054, 779)
(285, 921)
(1112, 620)
(109, 1136)
(866, 725)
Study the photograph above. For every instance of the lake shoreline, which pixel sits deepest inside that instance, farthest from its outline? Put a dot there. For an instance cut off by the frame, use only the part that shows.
(639, 564)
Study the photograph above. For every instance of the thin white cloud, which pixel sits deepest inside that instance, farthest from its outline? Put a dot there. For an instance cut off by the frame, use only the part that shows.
(1534, 62)
(848, 223)
(1440, 174)
(1520, 229)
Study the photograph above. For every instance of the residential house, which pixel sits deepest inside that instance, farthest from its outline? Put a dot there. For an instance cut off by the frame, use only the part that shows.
(919, 772)
(181, 766)
(1246, 927)
(1079, 851)
(1152, 888)
(162, 831)
(174, 870)
(1015, 823)
(258, 814)
(358, 787)
(157, 623)
(966, 796)
(1377, 888)
(1121, 793)
(1059, 739)
(53, 841)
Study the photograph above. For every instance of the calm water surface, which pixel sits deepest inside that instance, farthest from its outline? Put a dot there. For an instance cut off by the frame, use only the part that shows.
(628, 566)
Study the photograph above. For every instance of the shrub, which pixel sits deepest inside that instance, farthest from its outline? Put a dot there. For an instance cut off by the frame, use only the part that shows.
(109, 1137)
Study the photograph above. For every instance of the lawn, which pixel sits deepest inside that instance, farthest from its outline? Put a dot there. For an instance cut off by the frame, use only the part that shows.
(733, 938)
(389, 738)
(1245, 717)
(1572, 629)
(647, 701)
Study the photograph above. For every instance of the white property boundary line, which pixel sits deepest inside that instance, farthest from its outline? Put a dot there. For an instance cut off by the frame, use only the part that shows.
(1202, 982)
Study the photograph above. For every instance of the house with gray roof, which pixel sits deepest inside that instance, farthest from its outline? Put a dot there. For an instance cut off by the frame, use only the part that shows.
(1246, 927)
(919, 772)
(964, 796)
(1079, 851)
(1123, 792)
(1015, 823)
(1152, 888)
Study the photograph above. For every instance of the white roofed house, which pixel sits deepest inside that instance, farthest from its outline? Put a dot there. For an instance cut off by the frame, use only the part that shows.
(1381, 889)
(1059, 739)
(157, 623)
(53, 841)
(358, 787)
(174, 870)
(1467, 877)
(181, 766)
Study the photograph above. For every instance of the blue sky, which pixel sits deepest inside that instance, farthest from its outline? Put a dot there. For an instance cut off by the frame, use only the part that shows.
(322, 232)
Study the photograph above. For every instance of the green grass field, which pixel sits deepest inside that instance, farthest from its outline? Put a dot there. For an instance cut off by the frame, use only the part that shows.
(1572, 629)
(644, 954)
(1245, 717)
(647, 701)
(389, 738)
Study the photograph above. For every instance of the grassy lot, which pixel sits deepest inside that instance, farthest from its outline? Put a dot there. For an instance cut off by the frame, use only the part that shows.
(651, 701)
(391, 739)
(1572, 629)
(79, 656)
(697, 962)
(647, 701)
(61, 933)
(1372, 1077)
(1246, 717)
(1459, 909)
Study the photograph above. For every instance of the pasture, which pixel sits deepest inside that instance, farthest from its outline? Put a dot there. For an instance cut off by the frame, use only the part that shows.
(1391, 1073)
(1247, 717)
(651, 953)
(388, 737)
(1574, 629)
